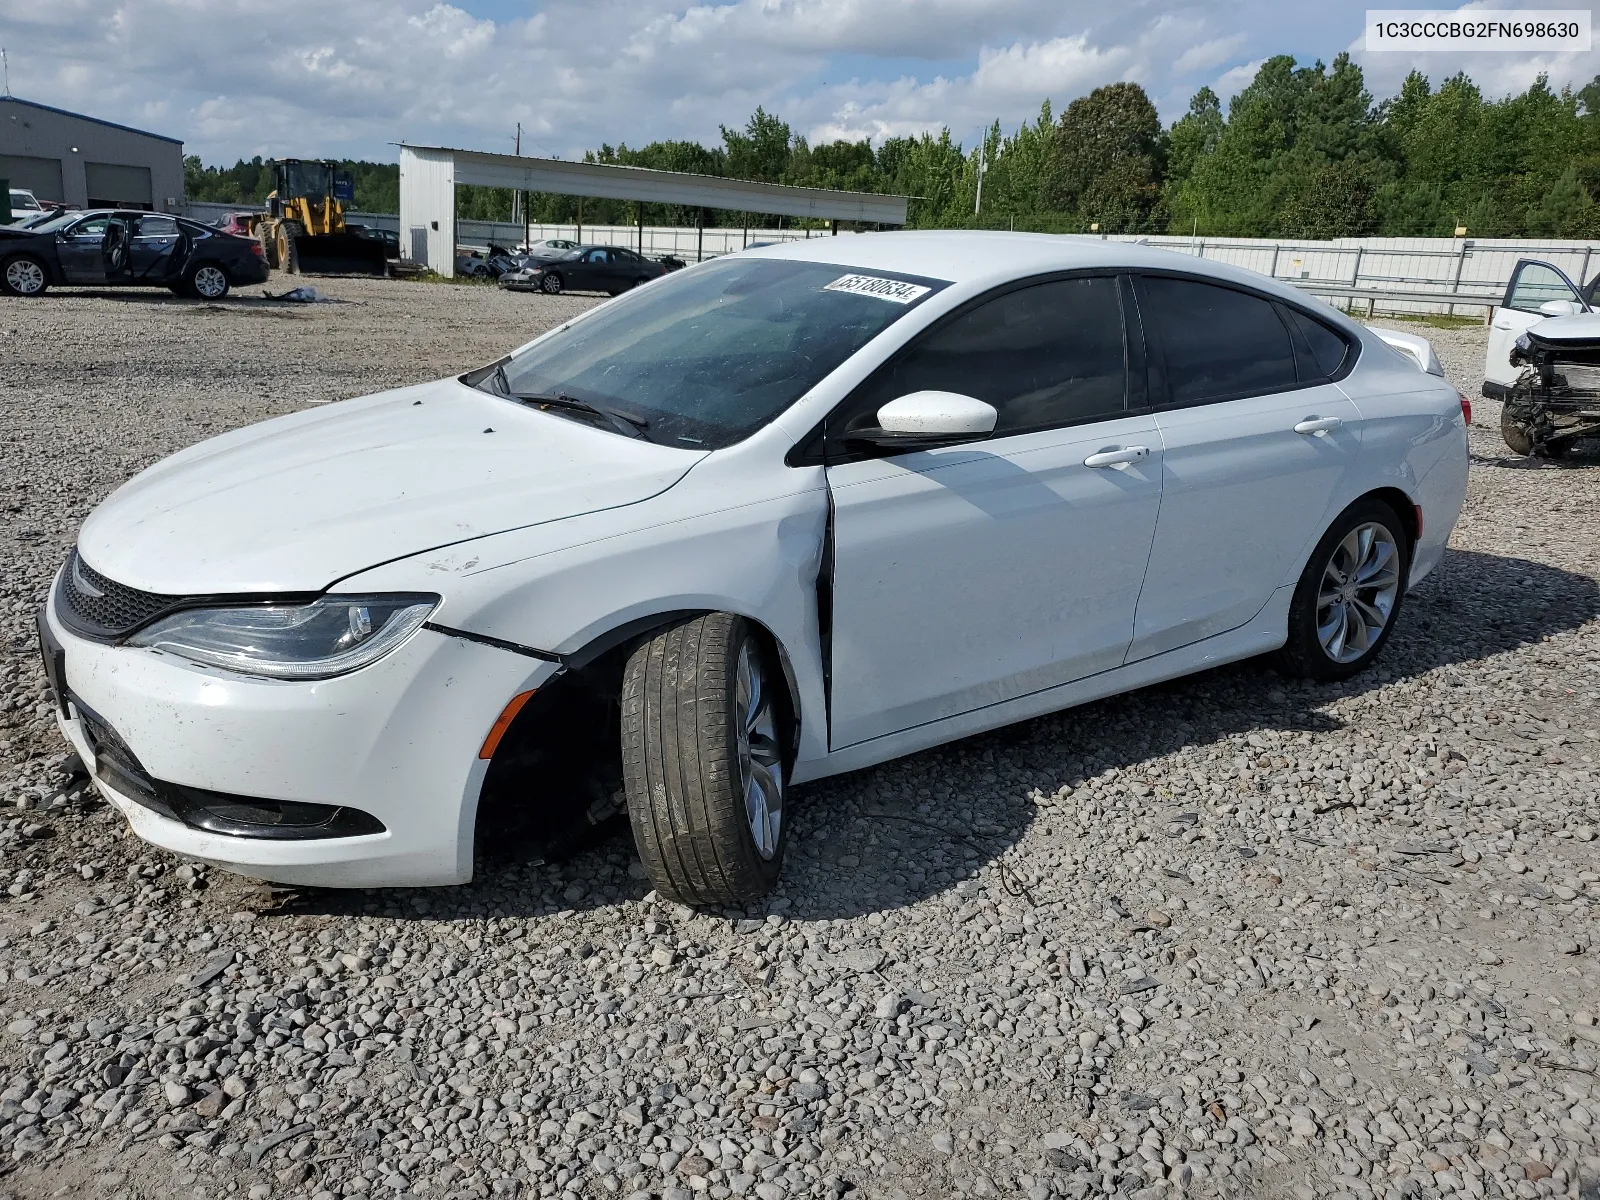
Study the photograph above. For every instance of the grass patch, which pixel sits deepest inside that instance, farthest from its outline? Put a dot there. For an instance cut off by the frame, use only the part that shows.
(1431, 320)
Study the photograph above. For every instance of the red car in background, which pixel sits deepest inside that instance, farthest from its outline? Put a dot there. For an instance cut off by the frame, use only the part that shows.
(237, 223)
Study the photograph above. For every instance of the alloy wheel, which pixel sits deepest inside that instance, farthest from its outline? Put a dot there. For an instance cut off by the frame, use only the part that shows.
(1360, 585)
(760, 754)
(210, 282)
(25, 277)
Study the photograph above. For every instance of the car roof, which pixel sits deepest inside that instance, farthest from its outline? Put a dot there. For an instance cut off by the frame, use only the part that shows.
(983, 257)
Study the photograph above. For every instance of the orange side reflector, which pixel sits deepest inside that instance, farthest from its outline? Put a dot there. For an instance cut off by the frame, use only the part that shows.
(503, 723)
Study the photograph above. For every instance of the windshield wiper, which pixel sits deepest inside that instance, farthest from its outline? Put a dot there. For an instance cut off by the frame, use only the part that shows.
(626, 423)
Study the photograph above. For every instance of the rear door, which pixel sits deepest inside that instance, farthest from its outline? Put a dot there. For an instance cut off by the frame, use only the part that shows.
(155, 250)
(1532, 284)
(81, 250)
(1259, 445)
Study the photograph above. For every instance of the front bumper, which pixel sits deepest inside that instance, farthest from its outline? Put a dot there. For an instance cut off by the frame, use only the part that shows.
(397, 740)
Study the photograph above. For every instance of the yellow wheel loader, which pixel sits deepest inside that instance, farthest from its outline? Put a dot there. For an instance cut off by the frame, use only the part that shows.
(303, 229)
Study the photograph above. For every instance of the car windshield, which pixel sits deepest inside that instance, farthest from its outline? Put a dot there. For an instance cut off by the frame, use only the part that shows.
(55, 224)
(710, 355)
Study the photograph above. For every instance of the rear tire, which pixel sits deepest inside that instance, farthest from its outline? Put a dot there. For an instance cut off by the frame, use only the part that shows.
(1349, 595)
(24, 275)
(703, 729)
(206, 281)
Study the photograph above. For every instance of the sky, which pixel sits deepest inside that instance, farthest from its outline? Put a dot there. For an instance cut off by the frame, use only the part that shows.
(313, 79)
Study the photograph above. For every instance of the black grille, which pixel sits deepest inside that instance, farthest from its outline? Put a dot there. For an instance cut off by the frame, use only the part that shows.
(97, 607)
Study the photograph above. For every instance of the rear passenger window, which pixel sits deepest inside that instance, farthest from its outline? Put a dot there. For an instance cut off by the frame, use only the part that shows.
(1218, 343)
(1322, 347)
(1047, 355)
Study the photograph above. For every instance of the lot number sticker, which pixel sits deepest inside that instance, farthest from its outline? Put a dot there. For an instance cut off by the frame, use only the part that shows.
(892, 290)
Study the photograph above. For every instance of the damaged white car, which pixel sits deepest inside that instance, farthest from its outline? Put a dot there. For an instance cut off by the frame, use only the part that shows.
(1543, 361)
(788, 513)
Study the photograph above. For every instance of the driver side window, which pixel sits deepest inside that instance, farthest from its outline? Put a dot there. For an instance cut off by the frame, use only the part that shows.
(90, 227)
(1046, 355)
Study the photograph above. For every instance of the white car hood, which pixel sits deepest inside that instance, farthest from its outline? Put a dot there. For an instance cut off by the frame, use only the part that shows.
(296, 503)
(1580, 327)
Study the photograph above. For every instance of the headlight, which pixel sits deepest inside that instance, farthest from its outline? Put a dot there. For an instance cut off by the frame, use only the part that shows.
(331, 636)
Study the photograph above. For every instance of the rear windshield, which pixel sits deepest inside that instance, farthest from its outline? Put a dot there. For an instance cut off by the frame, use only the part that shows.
(711, 354)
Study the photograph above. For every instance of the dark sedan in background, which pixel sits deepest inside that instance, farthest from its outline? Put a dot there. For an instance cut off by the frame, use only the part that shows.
(609, 269)
(112, 248)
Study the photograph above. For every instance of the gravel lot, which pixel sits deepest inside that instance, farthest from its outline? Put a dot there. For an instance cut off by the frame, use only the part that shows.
(1231, 936)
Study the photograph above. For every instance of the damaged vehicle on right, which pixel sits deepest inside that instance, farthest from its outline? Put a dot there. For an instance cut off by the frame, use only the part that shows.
(1543, 361)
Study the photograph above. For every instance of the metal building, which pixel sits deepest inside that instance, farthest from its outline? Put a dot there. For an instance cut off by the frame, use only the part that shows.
(429, 175)
(67, 158)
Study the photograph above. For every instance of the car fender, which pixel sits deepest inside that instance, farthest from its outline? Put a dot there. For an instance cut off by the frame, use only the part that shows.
(576, 585)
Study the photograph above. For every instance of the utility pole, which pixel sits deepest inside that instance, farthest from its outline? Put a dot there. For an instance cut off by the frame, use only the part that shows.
(6, 63)
(516, 196)
(982, 147)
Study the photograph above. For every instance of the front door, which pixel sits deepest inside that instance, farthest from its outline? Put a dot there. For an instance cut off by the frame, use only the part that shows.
(154, 254)
(1532, 285)
(81, 251)
(969, 575)
(1258, 449)
(117, 250)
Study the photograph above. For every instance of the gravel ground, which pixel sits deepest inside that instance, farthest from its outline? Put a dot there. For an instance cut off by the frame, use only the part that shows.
(1231, 936)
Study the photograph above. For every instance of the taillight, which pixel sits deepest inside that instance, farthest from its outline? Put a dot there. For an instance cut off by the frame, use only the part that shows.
(255, 248)
(1466, 409)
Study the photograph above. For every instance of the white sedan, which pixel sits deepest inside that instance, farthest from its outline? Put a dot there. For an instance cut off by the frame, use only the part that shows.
(785, 514)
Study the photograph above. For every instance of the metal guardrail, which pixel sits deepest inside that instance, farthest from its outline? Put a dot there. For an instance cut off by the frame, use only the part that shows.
(1343, 291)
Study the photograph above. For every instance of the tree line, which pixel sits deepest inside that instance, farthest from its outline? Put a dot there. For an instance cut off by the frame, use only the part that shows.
(1302, 152)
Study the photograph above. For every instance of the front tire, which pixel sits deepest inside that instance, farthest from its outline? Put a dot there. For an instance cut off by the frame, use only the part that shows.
(702, 761)
(24, 275)
(550, 284)
(1349, 594)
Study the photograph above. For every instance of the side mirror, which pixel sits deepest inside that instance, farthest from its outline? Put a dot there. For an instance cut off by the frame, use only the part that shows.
(1559, 308)
(923, 420)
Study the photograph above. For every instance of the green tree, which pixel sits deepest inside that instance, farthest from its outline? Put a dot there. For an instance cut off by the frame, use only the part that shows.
(1107, 159)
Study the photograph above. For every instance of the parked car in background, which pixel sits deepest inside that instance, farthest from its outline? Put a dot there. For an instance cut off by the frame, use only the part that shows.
(240, 224)
(24, 206)
(114, 248)
(609, 269)
(470, 263)
(550, 247)
(390, 239)
(790, 513)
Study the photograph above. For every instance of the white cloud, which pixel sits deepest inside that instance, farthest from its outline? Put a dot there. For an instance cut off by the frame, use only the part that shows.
(308, 77)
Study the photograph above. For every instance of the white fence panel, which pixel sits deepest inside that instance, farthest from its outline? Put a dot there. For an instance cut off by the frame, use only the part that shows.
(1476, 267)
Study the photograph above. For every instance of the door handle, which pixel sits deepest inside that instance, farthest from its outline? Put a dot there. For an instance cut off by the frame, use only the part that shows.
(1318, 424)
(1117, 458)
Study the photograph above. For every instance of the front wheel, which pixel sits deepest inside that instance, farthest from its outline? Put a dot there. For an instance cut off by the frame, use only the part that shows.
(550, 285)
(207, 281)
(1349, 594)
(703, 724)
(24, 275)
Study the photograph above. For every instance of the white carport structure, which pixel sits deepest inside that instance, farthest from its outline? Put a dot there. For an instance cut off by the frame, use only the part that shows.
(429, 175)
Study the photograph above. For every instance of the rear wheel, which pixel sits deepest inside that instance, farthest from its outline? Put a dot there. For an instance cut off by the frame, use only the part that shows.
(24, 275)
(702, 761)
(208, 281)
(1349, 594)
(550, 284)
